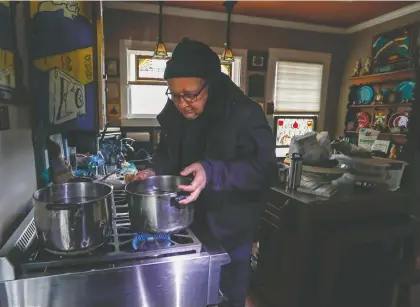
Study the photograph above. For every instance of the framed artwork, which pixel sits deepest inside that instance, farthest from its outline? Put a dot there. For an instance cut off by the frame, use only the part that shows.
(394, 50)
(113, 109)
(111, 67)
(257, 60)
(286, 127)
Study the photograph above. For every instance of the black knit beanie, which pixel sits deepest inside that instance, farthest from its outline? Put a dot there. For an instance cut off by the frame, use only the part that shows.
(192, 59)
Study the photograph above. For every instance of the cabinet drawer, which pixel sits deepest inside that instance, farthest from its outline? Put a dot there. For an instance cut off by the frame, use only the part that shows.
(277, 199)
(271, 218)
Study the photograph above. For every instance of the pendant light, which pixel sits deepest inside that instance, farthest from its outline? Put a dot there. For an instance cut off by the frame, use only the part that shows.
(227, 55)
(160, 50)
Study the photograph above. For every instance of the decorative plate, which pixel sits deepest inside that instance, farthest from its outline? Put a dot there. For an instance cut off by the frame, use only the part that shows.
(399, 119)
(405, 91)
(365, 94)
(363, 120)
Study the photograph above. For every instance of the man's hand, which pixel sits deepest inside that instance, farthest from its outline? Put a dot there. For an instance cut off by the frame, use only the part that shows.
(144, 174)
(197, 185)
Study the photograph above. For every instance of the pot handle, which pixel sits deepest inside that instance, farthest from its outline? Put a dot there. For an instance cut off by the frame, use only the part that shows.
(177, 198)
(53, 206)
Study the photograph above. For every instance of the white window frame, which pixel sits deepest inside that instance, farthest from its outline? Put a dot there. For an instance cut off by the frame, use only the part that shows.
(276, 55)
(126, 47)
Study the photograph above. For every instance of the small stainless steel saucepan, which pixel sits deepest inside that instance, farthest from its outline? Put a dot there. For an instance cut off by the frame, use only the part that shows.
(154, 205)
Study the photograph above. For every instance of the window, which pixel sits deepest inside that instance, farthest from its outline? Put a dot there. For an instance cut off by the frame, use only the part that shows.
(297, 82)
(142, 85)
(297, 87)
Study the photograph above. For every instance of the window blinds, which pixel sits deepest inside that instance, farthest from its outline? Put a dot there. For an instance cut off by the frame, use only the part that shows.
(298, 87)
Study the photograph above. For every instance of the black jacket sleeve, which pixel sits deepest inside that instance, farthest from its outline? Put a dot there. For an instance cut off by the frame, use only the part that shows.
(254, 170)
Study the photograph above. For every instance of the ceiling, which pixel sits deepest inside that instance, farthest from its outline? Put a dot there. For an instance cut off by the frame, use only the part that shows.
(341, 14)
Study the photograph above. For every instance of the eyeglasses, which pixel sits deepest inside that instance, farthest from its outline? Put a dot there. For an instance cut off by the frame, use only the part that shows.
(186, 97)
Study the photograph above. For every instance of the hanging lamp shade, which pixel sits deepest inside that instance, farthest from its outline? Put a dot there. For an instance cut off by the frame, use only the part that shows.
(227, 55)
(160, 49)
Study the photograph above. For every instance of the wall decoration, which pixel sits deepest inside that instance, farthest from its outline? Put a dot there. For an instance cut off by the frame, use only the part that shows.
(256, 86)
(148, 68)
(111, 67)
(393, 50)
(67, 97)
(357, 68)
(113, 110)
(7, 52)
(288, 127)
(405, 91)
(367, 67)
(62, 51)
(257, 60)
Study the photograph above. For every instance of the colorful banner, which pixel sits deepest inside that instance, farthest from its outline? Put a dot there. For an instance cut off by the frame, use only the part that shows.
(63, 56)
(7, 50)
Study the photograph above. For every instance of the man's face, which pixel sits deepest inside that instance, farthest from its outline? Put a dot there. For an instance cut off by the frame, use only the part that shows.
(189, 95)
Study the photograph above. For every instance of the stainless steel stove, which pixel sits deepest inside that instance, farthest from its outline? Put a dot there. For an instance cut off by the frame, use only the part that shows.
(131, 269)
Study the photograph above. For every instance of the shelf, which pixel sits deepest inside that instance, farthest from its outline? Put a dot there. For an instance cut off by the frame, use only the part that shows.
(388, 76)
(381, 133)
(394, 105)
(394, 137)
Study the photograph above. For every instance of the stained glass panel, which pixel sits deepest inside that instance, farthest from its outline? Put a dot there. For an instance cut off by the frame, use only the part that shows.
(227, 69)
(288, 127)
(149, 68)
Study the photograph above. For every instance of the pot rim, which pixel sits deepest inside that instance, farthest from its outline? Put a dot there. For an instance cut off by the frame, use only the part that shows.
(36, 194)
(156, 195)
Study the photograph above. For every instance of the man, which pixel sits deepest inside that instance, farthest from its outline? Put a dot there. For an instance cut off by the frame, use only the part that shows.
(213, 132)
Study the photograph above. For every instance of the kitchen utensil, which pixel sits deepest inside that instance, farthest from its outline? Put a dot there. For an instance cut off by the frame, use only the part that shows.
(154, 205)
(295, 171)
(73, 218)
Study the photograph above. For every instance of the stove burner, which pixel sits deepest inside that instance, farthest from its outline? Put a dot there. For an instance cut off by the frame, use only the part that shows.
(123, 246)
(145, 241)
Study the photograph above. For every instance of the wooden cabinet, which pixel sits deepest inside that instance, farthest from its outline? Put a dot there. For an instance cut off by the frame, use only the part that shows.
(275, 247)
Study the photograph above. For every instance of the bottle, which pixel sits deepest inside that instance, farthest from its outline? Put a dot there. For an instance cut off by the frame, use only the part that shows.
(295, 172)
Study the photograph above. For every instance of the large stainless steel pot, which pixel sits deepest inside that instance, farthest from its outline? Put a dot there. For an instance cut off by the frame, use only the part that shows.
(153, 205)
(73, 218)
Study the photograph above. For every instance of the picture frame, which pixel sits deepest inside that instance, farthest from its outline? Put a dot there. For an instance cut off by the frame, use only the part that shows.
(257, 60)
(394, 50)
(112, 67)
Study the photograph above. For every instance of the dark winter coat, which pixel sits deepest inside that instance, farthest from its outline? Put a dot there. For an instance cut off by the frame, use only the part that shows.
(237, 154)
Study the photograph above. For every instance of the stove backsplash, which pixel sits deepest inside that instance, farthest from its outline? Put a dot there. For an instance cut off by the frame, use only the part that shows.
(17, 162)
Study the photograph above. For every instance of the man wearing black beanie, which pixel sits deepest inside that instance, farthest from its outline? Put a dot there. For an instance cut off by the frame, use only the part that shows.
(214, 132)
